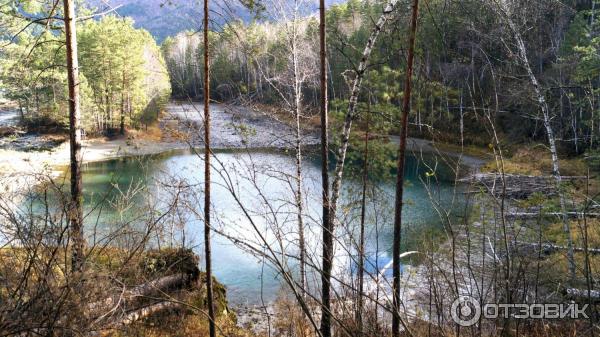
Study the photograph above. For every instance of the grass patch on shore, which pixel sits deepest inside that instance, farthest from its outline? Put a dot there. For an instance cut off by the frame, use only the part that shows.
(469, 150)
(184, 324)
(536, 160)
(107, 270)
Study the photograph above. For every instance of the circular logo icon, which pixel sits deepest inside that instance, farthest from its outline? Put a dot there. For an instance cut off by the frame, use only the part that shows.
(465, 311)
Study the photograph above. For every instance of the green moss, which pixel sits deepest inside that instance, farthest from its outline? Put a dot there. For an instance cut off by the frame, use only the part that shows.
(169, 261)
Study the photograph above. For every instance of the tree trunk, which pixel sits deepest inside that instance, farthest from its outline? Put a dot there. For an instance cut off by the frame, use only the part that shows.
(299, 203)
(151, 288)
(330, 206)
(207, 251)
(363, 209)
(150, 310)
(129, 111)
(75, 209)
(327, 220)
(21, 113)
(400, 175)
(350, 113)
(549, 133)
(123, 107)
(462, 121)
(37, 103)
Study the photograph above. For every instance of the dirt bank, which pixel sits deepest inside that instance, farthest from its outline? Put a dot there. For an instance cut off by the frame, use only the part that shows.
(25, 160)
(417, 146)
(29, 158)
(232, 127)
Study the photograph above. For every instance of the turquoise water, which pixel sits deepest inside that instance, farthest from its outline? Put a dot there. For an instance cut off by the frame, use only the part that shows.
(262, 182)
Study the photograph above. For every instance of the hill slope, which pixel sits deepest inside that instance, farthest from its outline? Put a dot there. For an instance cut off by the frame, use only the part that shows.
(163, 18)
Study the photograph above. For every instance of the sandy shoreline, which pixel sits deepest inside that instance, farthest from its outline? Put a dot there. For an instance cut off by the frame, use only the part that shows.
(233, 128)
(19, 168)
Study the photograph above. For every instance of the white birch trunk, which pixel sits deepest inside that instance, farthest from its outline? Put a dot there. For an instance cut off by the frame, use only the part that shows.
(351, 113)
(549, 133)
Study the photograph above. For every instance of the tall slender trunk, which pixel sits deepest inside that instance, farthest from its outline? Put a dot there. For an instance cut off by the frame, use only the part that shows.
(37, 102)
(588, 267)
(207, 251)
(549, 133)
(75, 209)
(106, 108)
(462, 121)
(330, 205)
(400, 174)
(123, 106)
(300, 206)
(352, 102)
(21, 113)
(27, 107)
(363, 209)
(129, 112)
(299, 203)
(591, 102)
(327, 221)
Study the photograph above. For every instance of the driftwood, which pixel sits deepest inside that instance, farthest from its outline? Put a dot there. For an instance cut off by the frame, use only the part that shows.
(583, 295)
(517, 186)
(6, 131)
(128, 297)
(535, 215)
(127, 304)
(163, 283)
(549, 248)
(147, 311)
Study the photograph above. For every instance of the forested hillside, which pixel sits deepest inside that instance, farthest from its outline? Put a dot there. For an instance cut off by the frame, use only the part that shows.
(124, 79)
(468, 67)
(167, 18)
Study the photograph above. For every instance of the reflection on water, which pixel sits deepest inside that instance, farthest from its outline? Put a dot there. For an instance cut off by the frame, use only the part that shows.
(262, 181)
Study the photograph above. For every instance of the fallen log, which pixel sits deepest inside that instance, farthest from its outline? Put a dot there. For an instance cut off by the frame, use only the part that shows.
(549, 248)
(143, 290)
(516, 186)
(498, 176)
(147, 311)
(163, 283)
(6, 131)
(535, 215)
(583, 295)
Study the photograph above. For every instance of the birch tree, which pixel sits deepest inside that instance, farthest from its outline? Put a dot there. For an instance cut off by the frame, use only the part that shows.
(289, 84)
(351, 112)
(400, 175)
(76, 207)
(207, 154)
(503, 8)
(327, 224)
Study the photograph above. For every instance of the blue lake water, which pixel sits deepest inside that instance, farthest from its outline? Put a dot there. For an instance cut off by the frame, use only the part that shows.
(262, 181)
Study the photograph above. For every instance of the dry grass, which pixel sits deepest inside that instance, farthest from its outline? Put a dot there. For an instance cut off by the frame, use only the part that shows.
(152, 133)
(556, 263)
(310, 121)
(536, 160)
(181, 324)
(470, 150)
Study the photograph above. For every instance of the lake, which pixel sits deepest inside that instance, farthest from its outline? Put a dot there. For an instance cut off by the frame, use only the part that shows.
(253, 201)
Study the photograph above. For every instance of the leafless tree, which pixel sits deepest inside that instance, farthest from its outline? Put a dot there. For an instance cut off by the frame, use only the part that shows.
(506, 11)
(328, 222)
(76, 208)
(207, 181)
(400, 173)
